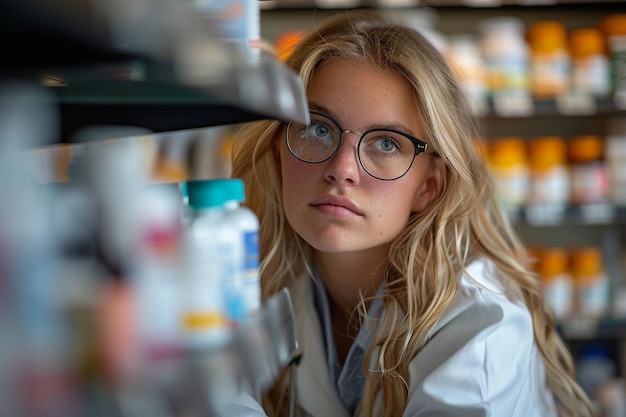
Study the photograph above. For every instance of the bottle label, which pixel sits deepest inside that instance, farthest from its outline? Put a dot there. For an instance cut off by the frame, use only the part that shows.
(251, 280)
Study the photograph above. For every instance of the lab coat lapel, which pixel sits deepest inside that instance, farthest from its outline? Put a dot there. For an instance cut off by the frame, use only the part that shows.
(316, 393)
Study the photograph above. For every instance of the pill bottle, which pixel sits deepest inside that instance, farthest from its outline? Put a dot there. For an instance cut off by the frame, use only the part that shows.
(616, 164)
(463, 53)
(614, 29)
(509, 167)
(212, 256)
(590, 182)
(591, 71)
(558, 285)
(550, 179)
(506, 56)
(247, 224)
(591, 283)
(550, 62)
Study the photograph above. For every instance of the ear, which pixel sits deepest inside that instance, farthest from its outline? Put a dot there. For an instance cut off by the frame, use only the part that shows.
(430, 187)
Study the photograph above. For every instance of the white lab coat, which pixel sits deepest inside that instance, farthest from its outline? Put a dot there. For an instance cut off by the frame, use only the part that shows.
(480, 361)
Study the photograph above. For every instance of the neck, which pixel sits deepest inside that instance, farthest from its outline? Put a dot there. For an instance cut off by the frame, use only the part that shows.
(350, 277)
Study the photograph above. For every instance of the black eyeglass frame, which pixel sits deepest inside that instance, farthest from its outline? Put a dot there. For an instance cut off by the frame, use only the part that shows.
(420, 146)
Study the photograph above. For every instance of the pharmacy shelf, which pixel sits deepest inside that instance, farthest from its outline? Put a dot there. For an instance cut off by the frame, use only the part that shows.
(477, 4)
(520, 3)
(592, 215)
(100, 70)
(209, 381)
(567, 106)
(589, 329)
(260, 348)
(158, 101)
(105, 72)
(56, 34)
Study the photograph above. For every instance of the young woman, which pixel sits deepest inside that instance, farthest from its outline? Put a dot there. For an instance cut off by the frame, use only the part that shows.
(412, 293)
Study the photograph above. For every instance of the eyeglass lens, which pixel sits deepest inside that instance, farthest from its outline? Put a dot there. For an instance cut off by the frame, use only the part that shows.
(384, 154)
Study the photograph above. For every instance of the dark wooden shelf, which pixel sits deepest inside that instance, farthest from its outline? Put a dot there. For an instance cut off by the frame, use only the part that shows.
(67, 47)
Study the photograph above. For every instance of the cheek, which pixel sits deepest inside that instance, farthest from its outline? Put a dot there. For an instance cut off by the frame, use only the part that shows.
(402, 194)
(293, 171)
(391, 203)
(296, 177)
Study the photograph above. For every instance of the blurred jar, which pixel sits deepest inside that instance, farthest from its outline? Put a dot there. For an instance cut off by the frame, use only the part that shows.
(590, 181)
(550, 60)
(509, 166)
(465, 59)
(558, 286)
(611, 397)
(616, 165)
(614, 28)
(550, 179)
(594, 369)
(506, 56)
(591, 73)
(591, 283)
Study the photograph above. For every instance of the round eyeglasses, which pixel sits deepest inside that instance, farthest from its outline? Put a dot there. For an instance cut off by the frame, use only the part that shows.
(385, 154)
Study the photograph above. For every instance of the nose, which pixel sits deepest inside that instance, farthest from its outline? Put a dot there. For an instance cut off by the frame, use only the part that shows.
(344, 166)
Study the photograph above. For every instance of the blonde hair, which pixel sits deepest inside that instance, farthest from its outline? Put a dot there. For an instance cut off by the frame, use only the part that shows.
(463, 223)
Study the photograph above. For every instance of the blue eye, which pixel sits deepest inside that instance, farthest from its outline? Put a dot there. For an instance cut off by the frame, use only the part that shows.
(387, 145)
(321, 132)
(386, 142)
(318, 130)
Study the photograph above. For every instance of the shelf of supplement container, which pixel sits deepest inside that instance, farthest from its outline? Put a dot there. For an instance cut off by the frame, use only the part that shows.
(465, 4)
(581, 329)
(211, 382)
(258, 351)
(598, 215)
(520, 3)
(567, 107)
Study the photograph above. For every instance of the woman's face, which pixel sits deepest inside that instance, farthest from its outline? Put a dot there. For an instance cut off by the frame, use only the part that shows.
(335, 205)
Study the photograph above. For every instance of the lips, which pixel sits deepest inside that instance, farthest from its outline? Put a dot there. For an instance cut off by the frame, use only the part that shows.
(337, 201)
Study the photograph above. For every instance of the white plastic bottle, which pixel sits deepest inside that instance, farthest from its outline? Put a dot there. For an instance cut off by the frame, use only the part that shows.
(507, 62)
(213, 251)
(247, 224)
(467, 62)
(591, 283)
(155, 275)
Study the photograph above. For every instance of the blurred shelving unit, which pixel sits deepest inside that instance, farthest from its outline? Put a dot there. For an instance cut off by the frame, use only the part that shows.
(149, 64)
(103, 69)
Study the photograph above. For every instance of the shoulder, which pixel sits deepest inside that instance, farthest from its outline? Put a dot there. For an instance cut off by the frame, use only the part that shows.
(482, 354)
(485, 306)
(486, 313)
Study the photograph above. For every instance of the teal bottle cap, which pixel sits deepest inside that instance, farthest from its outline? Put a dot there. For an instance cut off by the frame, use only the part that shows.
(204, 194)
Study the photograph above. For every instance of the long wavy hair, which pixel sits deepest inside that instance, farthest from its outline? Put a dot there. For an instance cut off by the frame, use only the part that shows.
(463, 222)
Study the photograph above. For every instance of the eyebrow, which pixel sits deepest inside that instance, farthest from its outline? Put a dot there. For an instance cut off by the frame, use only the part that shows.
(328, 113)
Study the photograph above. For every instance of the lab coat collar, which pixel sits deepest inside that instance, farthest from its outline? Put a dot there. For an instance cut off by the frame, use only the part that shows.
(315, 390)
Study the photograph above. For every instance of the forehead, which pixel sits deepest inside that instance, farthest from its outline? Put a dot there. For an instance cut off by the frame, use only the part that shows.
(361, 96)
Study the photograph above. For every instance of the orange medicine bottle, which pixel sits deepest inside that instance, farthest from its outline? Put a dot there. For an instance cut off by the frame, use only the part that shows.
(591, 70)
(553, 268)
(509, 166)
(550, 179)
(591, 283)
(590, 182)
(550, 59)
